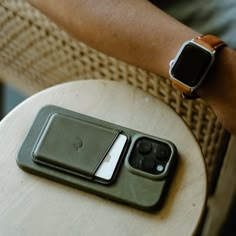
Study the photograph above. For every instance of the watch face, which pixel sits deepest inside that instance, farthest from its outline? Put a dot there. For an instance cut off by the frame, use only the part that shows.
(191, 65)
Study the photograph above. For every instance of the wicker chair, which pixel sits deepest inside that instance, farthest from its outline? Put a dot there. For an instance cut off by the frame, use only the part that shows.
(36, 54)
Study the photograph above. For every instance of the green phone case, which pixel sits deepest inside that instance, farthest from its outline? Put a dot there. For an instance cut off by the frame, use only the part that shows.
(68, 147)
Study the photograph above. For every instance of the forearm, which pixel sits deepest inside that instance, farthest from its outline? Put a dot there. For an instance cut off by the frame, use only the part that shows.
(134, 31)
(139, 33)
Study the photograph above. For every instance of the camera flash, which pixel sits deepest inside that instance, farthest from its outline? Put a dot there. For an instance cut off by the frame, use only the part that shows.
(160, 168)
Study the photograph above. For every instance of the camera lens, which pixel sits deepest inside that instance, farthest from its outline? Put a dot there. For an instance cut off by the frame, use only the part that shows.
(146, 164)
(163, 152)
(144, 146)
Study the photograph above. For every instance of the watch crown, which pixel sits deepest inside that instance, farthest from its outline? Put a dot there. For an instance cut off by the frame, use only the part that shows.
(171, 63)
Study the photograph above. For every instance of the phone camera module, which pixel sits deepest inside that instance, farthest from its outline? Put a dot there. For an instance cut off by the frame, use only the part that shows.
(150, 156)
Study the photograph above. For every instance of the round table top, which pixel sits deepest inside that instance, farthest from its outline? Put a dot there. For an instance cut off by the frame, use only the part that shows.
(31, 205)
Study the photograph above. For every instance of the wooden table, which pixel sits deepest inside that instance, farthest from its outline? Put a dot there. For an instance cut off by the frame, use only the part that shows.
(31, 205)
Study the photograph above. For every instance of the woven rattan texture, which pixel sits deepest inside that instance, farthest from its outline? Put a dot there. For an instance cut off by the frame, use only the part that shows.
(35, 54)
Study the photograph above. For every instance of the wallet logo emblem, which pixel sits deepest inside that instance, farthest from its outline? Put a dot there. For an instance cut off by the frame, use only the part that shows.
(78, 143)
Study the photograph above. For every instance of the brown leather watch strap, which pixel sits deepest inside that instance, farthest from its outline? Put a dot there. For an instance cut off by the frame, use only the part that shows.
(209, 41)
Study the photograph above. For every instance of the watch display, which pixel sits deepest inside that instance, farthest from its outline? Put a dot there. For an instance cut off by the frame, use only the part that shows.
(191, 65)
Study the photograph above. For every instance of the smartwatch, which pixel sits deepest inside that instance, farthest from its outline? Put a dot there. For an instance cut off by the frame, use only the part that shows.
(192, 63)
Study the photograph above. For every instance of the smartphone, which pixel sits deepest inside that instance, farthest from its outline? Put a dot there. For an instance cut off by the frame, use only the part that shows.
(99, 157)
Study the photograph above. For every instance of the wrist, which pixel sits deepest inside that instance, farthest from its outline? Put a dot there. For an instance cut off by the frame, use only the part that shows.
(205, 67)
(218, 89)
(218, 82)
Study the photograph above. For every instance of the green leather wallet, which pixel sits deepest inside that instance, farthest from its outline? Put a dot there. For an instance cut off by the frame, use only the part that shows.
(68, 147)
(72, 145)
